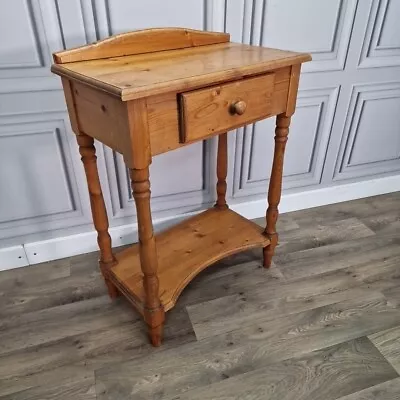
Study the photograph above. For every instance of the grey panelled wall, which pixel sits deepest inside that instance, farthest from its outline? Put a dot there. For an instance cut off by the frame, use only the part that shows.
(347, 121)
(346, 128)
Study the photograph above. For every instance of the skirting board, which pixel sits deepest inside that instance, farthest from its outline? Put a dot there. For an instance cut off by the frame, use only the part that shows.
(46, 250)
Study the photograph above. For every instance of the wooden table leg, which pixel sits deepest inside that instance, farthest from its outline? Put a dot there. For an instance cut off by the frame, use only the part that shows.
(222, 170)
(153, 310)
(99, 212)
(275, 186)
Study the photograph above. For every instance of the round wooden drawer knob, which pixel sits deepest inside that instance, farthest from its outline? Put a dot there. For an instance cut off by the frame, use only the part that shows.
(239, 107)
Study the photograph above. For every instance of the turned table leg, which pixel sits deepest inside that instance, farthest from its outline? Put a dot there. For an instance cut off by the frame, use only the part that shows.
(153, 310)
(275, 186)
(99, 213)
(222, 170)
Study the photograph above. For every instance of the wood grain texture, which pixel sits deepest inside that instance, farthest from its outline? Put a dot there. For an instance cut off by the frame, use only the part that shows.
(345, 254)
(71, 106)
(132, 77)
(197, 243)
(97, 347)
(385, 223)
(61, 337)
(275, 187)
(388, 390)
(231, 275)
(321, 234)
(101, 116)
(210, 111)
(31, 296)
(246, 349)
(62, 321)
(391, 291)
(364, 209)
(70, 382)
(285, 222)
(139, 42)
(98, 207)
(382, 275)
(388, 343)
(262, 302)
(219, 86)
(324, 374)
(25, 277)
(163, 114)
(121, 126)
(293, 88)
(74, 383)
(222, 170)
(153, 310)
(138, 155)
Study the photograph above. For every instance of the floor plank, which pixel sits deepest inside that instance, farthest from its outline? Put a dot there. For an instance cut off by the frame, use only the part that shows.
(69, 383)
(34, 274)
(221, 280)
(243, 350)
(366, 207)
(285, 222)
(324, 374)
(388, 343)
(95, 347)
(57, 323)
(49, 294)
(337, 256)
(384, 222)
(332, 293)
(318, 235)
(392, 292)
(389, 390)
(379, 274)
(263, 302)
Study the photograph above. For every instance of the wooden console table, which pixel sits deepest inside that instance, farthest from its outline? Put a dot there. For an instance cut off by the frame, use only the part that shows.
(147, 92)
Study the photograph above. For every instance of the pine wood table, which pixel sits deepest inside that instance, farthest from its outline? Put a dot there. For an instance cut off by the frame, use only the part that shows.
(148, 92)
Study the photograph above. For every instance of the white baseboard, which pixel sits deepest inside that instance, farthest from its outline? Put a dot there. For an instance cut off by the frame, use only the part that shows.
(46, 250)
(323, 196)
(13, 257)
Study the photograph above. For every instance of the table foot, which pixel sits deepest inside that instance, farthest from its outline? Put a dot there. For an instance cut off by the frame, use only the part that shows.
(155, 321)
(155, 335)
(113, 292)
(268, 251)
(267, 257)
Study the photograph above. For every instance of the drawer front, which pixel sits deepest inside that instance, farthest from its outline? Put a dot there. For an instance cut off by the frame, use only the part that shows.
(217, 109)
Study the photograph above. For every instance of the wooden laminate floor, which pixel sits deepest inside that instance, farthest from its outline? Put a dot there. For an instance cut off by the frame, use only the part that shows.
(323, 323)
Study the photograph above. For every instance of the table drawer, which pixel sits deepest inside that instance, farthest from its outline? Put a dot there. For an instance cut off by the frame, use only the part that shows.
(210, 111)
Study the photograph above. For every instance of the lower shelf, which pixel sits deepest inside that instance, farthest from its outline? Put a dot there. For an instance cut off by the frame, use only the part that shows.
(186, 249)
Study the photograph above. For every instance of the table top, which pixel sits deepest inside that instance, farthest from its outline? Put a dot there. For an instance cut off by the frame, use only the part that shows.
(140, 75)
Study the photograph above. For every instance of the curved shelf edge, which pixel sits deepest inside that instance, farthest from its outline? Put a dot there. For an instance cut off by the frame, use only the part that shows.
(184, 283)
(184, 251)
